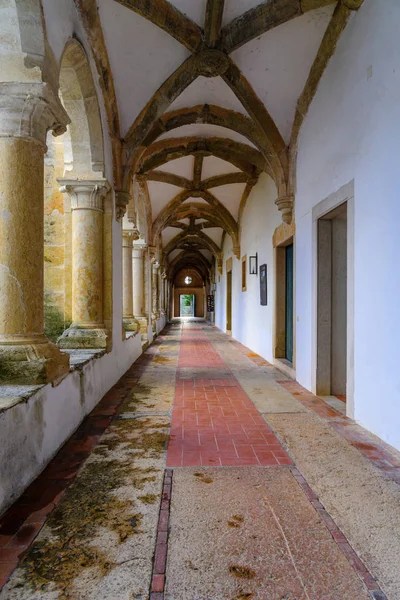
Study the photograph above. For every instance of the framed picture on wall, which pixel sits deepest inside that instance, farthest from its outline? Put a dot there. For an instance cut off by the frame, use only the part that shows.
(263, 285)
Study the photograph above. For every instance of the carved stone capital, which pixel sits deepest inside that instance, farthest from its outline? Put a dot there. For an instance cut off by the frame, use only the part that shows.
(138, 250)
(122, 199)
(85, 194)
(30, 110)
(127, 238)
(155, 266)
(285, 205)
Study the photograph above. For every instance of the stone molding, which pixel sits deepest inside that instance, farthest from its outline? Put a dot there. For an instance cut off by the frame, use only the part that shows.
(30, 110)
(85, 194)
(285, 205)
(122, 200)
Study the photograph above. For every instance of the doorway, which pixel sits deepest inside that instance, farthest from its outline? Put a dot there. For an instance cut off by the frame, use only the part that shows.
(229, 302)
(289, 303)
(187, 305)
(332, 303)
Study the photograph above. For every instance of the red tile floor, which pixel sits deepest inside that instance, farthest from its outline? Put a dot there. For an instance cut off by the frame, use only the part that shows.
(214, 423)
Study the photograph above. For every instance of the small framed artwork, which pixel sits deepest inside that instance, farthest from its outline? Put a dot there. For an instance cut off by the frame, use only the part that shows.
(263, 285)
(253, 261)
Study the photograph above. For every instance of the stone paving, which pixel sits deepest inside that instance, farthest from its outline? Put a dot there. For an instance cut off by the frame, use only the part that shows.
(205, 474)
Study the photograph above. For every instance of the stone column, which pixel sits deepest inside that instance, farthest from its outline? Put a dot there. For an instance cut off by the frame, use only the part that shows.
(163, 293)
(27, 112)
(154, 295)
(138, 287)
(87, 329)
(130, 323)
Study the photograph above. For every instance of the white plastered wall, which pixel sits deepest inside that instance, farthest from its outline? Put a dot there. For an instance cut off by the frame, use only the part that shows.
(252, 324)
(351, 133)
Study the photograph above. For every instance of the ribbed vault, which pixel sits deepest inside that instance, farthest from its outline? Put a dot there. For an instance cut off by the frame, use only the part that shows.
(199, 161)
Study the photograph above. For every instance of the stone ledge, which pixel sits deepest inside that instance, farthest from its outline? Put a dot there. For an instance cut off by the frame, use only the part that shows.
(10, 395)
(79, 358)
(130, 334)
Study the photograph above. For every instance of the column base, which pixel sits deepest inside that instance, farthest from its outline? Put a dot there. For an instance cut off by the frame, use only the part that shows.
(154, 323)
(131, 324)
(31, 361)
(76, 337)
(143, 322)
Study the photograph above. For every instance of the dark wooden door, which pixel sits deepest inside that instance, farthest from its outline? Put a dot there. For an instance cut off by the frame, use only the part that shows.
(289, 303)
(229, 301)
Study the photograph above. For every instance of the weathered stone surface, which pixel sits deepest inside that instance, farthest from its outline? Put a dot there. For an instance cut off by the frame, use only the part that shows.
(356, 494)
(261, 525)
(87, 329)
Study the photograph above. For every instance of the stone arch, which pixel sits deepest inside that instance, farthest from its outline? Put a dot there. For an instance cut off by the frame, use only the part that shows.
(200, 239)
(173, 208)
(76, 155)
(241, 155)
(25, 54)
(139, 211)
(78, 93)
(209, 114)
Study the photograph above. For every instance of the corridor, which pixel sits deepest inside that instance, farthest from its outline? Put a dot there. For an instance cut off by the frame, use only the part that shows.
(205, 474)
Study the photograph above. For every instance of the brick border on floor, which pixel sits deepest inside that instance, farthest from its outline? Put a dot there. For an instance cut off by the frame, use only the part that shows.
(157, 586)
(372, 586)
(24, 519)
(377, 453)
(354, 434)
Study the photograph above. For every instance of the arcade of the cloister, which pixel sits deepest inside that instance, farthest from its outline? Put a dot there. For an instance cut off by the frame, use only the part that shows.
(219, 177)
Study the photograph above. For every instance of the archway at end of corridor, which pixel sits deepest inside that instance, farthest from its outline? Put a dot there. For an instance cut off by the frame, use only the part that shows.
(187, 305)
(189, 294)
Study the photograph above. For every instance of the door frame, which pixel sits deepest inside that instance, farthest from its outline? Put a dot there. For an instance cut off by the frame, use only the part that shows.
(284, 235)
(229, 276)
(344, 194)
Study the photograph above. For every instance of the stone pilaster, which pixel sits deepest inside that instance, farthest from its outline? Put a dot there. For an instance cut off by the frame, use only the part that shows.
(163, 293)
(130, 323)
(87, 329)
(27, 112)
(138, 286)
(155, 314)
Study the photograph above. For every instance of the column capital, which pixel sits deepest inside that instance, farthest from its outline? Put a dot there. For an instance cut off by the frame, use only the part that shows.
(138, 250)
(127, 238)
(85, 193)
(155, 266)
(30, 110)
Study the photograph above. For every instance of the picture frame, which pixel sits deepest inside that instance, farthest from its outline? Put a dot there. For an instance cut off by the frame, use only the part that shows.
(263, 285)
(253, 264)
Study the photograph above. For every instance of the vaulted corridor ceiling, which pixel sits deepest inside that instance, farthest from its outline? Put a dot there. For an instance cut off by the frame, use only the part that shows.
(209, 96)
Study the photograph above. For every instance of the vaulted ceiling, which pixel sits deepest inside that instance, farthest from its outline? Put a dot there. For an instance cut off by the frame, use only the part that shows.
(210, 93)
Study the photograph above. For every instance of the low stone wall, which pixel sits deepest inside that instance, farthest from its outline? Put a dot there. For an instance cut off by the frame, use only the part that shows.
(35, 421)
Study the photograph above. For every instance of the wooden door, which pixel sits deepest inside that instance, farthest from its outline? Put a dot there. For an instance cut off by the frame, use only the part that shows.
(229, 301)
(289, 304)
